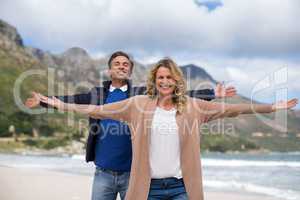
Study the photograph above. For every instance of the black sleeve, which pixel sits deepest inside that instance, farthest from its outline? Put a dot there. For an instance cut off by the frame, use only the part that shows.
(205, 94)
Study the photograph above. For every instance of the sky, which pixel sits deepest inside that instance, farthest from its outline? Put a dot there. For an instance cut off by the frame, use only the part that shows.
(251, 44)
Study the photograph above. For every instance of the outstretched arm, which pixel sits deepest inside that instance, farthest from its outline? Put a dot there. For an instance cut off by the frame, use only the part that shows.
(209, 94)
(85, 98)
(117, 111)
(211, 111)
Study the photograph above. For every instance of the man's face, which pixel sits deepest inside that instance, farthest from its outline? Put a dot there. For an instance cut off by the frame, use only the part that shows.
(120, 68)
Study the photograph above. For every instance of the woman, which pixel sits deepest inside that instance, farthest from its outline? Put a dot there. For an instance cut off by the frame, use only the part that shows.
(165, 126)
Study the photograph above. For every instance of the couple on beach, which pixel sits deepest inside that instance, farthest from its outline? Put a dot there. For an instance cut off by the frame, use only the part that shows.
(151, 148)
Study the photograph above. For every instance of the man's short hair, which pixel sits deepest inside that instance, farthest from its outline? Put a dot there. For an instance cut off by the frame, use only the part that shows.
(119, 53)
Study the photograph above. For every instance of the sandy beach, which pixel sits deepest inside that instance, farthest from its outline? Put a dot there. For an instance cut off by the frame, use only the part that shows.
(33, 184)
(26, 184)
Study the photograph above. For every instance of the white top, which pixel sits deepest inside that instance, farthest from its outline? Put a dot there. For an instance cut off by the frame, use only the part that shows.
(164, 145)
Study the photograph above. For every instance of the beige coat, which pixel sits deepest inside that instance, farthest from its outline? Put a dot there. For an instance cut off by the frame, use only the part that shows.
(138, 113)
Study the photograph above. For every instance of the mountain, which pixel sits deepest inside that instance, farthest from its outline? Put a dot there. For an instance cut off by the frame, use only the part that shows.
(10, 33)
(74, 70)
(195, 72)
(15, 61)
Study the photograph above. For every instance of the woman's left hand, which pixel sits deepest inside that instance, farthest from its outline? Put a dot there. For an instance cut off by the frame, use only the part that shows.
(281, 105)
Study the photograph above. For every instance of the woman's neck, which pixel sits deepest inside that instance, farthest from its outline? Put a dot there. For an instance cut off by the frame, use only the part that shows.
(165, 102)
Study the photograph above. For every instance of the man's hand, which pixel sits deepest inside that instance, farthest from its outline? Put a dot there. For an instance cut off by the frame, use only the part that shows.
(282, 105)
(221, 91)
(33, 101)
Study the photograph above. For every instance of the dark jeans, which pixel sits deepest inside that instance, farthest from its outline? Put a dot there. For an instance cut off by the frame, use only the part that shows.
(167, 189)
(107, 185)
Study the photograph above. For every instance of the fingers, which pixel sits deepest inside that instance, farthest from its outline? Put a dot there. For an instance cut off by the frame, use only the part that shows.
(52, 101)
(230, 88)
(286, 104)
(43, 99)
(37, 98)
(230, 94)
(33, 101)
(294, 100)
(230, 91)
(35, 95)
(292, 103)
(221, 91)
(29, 103)
(219, 85)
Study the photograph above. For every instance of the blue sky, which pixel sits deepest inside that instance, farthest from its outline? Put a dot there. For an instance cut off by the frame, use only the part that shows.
(239, 42)
(211, 5)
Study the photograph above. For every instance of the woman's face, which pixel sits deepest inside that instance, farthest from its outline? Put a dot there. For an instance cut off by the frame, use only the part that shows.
(164, 82)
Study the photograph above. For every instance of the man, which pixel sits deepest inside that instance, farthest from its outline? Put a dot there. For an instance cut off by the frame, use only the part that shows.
(109, 144)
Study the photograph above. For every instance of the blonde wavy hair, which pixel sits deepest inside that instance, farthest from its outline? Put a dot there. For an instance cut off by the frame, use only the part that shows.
(179, 98)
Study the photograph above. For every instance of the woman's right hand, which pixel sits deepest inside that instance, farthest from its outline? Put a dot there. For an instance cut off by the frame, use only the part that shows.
(53, 101)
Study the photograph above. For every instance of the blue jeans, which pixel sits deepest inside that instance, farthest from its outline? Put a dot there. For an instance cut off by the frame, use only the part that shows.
(106, 186)
(167, 189)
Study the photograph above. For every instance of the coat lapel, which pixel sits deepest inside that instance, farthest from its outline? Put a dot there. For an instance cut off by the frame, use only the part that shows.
(144, 144)
(183, 142)
(149, 113)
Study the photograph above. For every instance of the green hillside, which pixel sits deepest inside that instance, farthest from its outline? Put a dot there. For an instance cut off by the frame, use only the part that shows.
(13, 62)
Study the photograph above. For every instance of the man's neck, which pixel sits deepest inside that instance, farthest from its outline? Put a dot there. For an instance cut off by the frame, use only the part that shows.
(118, 83)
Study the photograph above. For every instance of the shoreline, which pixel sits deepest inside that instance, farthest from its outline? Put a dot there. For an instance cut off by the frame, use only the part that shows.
(60, 152)
(31, 184)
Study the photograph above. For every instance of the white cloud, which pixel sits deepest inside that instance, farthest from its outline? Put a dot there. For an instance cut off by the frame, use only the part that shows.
(246, 73)
(240, 41)
(258, 27)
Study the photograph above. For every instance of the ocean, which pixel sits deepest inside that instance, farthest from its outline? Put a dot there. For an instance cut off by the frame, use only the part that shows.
(272, 174)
